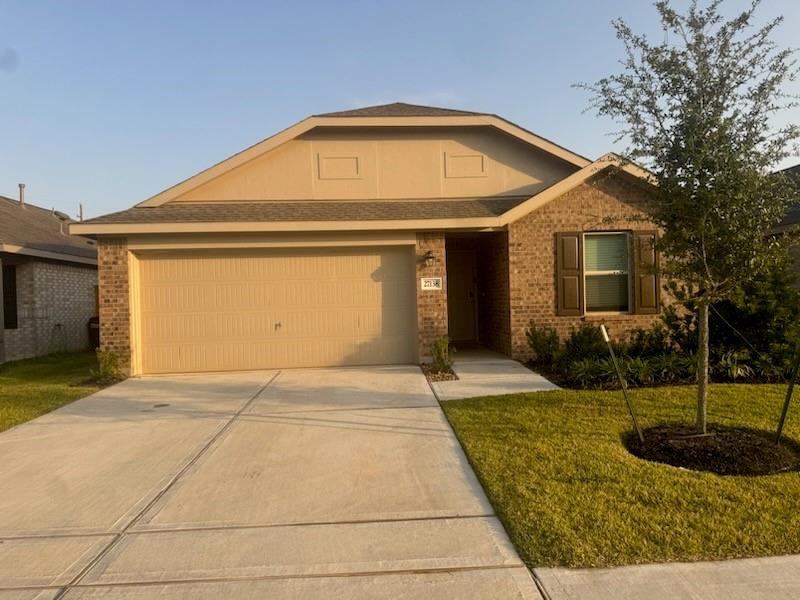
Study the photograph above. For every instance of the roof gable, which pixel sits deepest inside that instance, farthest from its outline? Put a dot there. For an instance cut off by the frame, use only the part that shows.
(392, 115)
(326, 215)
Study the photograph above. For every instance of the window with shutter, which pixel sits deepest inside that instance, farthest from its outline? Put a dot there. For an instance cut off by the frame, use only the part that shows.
(607, 272)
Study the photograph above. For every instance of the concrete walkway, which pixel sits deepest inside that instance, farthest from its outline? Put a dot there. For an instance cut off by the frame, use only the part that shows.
(773, 578)
(486, 373)
(328, 483)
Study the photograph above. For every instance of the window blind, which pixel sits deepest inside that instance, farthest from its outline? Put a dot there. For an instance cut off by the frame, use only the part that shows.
(606, 252)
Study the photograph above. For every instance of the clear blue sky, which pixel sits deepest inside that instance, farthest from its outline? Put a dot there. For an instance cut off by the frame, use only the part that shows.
(107, 103)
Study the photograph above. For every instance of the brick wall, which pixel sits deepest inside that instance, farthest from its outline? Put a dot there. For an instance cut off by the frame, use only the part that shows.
(54, 303)
(604, 203)
(112, 262)
(431, 305)
(65, 301)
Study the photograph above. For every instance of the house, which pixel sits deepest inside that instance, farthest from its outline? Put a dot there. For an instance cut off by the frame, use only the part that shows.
(791, 221)
(359, 237)
(49, 283)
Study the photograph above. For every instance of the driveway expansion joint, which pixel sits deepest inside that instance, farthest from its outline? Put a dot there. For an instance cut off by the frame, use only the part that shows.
(419, 571)
(167, 529)
(119, 536)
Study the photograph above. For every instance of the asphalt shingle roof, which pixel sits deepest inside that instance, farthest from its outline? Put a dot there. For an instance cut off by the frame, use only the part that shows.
(40, 229)
(400, 109)
(313, 210)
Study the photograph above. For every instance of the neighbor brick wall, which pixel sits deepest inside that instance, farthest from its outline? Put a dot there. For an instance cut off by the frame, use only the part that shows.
(603, 204)
(65, 301)
(54, 303)
(115, 316)
(431, 305)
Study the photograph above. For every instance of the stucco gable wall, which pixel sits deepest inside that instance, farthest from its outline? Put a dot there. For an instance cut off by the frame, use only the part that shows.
(389, 163)
(605, 203)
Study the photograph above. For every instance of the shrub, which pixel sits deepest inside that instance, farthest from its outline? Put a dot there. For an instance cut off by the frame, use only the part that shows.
(585, 372)
(108, 368)
(732, 366)
(649, 342)
(639, 371)
(585, 342)
(765, 312)
(672, 368)
(441, 352)
(544, 343)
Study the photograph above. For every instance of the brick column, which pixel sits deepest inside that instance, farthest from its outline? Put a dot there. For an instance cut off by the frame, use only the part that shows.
(115, 316)
(431, 305)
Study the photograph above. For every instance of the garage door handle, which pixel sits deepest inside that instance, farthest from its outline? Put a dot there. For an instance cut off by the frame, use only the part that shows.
(277, 325)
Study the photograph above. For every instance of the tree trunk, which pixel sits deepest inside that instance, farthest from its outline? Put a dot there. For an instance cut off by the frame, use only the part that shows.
(702, 368)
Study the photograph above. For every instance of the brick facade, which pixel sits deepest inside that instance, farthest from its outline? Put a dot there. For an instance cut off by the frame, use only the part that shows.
(431, 305)
(603, 204)
(112, 260)
(55, 301)
(516, 276)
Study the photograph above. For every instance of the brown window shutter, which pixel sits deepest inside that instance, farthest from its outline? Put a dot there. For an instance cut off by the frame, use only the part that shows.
(569, 275)
(646, 286)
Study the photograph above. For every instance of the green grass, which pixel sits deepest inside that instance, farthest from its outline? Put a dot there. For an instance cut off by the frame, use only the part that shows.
(29, 388)
(570, 494)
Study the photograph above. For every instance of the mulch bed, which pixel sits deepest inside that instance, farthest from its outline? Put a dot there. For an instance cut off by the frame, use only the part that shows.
(725, 450)
(434, 376)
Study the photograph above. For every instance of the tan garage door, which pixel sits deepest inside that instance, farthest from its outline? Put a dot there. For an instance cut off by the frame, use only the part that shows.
(235, 310)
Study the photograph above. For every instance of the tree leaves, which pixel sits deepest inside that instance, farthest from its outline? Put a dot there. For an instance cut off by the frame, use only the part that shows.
(697, 109)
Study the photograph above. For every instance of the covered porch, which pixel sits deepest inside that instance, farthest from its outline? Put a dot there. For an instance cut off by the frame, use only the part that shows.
(478, 297)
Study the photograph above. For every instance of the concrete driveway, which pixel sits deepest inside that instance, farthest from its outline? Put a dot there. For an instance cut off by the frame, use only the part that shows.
(334, 483)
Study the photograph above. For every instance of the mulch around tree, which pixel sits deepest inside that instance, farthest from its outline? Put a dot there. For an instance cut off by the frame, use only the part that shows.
(724, 450)
(434, 376)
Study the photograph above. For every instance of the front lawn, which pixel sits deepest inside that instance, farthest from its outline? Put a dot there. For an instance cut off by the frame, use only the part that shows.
(570, 494)
(32, 387)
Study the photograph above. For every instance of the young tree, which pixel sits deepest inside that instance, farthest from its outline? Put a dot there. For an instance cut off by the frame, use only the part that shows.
(698, 110)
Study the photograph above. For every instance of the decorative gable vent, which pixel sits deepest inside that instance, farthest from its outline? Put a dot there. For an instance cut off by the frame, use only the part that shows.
(461, 166)
(339, 167)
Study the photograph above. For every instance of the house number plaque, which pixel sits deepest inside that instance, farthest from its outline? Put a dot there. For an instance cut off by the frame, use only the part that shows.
(431, 283)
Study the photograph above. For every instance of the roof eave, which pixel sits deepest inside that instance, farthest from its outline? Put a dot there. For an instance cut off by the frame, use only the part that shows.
(37, 253)
(109, 229)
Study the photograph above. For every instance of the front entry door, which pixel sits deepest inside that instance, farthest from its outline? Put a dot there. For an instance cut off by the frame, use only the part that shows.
(461, 291)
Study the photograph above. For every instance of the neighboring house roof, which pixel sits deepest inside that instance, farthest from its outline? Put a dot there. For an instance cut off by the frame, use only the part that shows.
(30, 230)
(321, 215)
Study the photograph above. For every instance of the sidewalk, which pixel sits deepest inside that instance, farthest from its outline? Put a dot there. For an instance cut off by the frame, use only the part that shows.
(773, 578)
(485, 373)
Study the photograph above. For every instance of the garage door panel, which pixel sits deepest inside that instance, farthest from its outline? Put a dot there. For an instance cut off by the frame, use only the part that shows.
(272, 308)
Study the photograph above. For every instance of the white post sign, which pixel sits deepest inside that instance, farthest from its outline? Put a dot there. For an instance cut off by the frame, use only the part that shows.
(431, 284)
